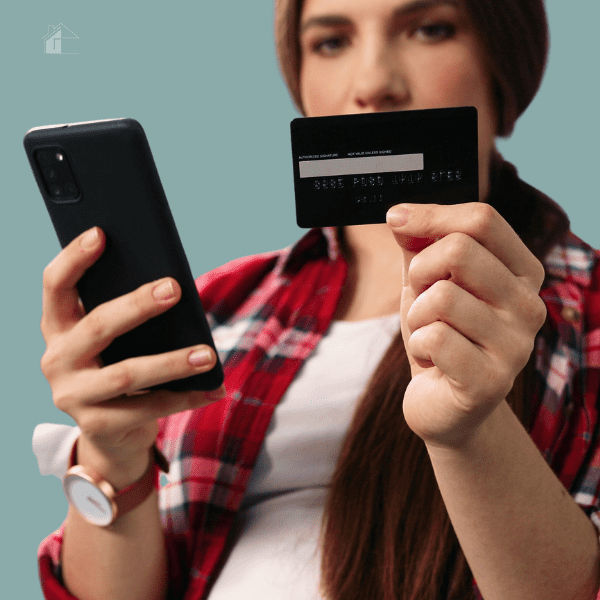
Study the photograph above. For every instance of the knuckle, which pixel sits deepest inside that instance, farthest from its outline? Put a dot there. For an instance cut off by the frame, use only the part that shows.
(50, 277)
(120, 378)
(484, 216)
(44, 326)
(540, 273)
(533, 310)
(436, 336)
(414, 269)
(540, 313)
(63, 398)
(444, 296)
(459, 246)
(48, 362)
(95, 325)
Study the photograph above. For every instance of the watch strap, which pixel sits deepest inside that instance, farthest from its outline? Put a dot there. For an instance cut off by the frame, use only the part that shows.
(133, 495)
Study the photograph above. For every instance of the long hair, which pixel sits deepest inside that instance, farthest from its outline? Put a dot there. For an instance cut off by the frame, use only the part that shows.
(386, 534)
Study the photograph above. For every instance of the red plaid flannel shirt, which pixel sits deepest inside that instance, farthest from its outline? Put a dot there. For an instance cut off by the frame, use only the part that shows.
(278, 306)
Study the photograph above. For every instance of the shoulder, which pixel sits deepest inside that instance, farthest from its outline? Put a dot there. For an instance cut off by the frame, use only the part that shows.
(572, 287)
(573, 260)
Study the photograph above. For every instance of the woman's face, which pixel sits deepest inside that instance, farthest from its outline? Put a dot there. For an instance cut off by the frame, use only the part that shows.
(384, 55)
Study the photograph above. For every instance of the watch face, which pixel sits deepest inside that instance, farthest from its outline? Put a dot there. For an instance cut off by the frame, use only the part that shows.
(89, 500)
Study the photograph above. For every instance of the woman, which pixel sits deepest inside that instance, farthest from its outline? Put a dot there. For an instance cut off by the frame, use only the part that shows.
(437, 481)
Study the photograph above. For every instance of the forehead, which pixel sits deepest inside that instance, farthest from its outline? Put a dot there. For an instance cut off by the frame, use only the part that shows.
(372, 7)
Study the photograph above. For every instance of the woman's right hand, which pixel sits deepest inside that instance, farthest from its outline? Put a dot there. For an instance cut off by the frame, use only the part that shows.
(118, 423)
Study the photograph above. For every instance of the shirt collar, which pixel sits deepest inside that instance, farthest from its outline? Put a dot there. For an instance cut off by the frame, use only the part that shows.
(317, 243)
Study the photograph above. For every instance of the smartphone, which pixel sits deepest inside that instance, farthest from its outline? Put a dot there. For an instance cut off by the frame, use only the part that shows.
(101, 173)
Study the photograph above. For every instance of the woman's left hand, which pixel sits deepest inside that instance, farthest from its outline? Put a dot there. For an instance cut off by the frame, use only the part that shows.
(470, 311)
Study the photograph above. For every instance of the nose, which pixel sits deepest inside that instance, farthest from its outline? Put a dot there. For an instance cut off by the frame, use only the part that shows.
(380, 83)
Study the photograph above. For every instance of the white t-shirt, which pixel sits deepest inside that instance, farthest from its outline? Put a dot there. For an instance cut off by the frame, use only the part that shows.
(276, 547)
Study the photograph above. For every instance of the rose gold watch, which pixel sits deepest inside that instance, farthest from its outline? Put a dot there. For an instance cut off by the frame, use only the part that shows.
(96, 500)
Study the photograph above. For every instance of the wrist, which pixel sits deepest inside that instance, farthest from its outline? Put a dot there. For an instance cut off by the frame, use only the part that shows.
(471, 443)
(119, 469)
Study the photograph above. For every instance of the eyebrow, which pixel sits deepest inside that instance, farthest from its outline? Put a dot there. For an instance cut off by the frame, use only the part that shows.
(401, 11)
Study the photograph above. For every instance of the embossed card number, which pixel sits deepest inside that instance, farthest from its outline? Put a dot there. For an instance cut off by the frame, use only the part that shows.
(350, 169)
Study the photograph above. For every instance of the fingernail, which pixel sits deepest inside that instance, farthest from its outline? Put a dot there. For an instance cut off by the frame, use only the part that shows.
(397, 216)
(199, 358)
(90, 239)
(164, 291)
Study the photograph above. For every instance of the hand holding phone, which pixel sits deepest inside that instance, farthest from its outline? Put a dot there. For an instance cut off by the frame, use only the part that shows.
(102, 174)
(118, 424)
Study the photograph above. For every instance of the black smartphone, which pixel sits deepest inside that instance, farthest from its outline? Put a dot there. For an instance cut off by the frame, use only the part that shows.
(101, 173)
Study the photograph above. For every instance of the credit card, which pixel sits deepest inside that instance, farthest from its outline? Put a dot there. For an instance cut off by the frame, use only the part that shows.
(350, 169)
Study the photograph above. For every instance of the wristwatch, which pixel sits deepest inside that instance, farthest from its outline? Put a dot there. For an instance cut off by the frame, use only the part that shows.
(96, 500)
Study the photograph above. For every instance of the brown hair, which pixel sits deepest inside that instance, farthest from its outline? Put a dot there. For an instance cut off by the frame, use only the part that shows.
(513, 36)
(386, 534)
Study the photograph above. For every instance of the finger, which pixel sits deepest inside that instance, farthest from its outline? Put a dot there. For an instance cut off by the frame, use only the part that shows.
(464, 261)
(143, 372)
(423, 223)
(474, 376)
(446, 302)
(101, 326)
(60, 297)
(126, 413)
(95, 385)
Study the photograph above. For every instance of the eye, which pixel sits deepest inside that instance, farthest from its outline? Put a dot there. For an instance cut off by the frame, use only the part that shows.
(330, 46)
(435, 32)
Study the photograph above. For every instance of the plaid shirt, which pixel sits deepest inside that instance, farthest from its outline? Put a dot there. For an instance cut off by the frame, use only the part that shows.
(277, 307)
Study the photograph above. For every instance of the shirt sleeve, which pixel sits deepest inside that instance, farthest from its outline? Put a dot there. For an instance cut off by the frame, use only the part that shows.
(52, 444)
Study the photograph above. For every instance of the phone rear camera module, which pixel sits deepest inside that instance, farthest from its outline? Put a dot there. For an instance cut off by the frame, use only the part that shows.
(57, 176)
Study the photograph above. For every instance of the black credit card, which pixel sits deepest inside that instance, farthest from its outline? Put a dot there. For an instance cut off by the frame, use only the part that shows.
(350, 169)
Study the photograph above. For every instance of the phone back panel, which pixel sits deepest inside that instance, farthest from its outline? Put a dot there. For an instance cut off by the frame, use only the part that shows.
(120, 192)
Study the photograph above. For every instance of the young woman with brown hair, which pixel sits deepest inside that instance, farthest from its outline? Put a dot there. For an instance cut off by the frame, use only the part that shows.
(394, 382)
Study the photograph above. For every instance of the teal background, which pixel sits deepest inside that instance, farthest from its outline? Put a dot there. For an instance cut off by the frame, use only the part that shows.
(202, 79)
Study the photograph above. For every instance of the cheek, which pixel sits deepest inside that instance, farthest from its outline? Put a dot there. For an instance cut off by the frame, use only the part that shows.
(455, 80)
(316, 100)
(323, 89)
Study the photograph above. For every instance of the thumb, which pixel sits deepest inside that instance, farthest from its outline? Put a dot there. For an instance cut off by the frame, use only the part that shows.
(397, 217)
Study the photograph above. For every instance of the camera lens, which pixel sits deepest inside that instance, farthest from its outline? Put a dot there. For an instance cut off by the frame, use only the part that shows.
(44, 158)
(70, 188)
(50, 174)
(56, 190)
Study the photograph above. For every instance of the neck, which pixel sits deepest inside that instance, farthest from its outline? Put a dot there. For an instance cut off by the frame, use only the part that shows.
(374, 283)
